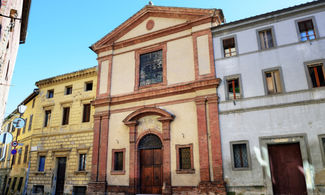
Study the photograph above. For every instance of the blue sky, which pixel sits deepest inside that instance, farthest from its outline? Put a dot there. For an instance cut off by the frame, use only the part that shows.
(60, 33)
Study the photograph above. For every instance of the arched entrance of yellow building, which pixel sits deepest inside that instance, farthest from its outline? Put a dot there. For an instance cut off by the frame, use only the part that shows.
(151, 163)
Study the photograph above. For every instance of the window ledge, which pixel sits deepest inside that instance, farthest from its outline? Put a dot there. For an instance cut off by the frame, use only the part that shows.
(118, 172)
(81, 172)
(39, 172)
(185, 171)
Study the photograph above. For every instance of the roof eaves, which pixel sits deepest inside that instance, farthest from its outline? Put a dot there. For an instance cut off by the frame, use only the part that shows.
(269, 15)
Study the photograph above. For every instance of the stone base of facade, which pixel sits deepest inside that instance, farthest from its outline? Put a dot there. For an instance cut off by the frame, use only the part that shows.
(204, 188)
(97, 188)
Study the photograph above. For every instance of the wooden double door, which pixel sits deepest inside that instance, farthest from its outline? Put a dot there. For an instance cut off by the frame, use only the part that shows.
(151, 174)
(287, 169)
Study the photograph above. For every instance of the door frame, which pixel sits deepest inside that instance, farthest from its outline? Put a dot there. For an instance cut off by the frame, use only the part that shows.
(132, 121)
(285, 139)
(55, 178)
(138, 163)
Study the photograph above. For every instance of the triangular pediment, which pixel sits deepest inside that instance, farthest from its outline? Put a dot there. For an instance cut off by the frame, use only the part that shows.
(154, 19)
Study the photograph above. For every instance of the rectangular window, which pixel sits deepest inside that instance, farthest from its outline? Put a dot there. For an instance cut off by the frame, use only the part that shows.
(273, 82)
(86, 113)
(240, 155)
(229, 47)
(50, 93)
(14, 183)
(30, 122)
(89, 86)
(82, 162)
(41, 163)
(47, 118)
(322, 146)
(233, 88)
(306, 30)
(316, 73)
(20, 183)
(38, 189)
(66, 113)
(151, 68)
(14, 159)
(68, 90)
(26, 154)
(8, 126)
(184, 156)
(19, 155)
(118, 161)
(33, 103)
(266, 39)
(79, 190)
(24, 129)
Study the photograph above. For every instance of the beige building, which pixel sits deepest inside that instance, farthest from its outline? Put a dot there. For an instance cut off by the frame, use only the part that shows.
(13, 30)
(156, 124)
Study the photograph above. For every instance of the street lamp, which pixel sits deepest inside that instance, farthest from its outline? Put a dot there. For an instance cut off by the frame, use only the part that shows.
(21, 109)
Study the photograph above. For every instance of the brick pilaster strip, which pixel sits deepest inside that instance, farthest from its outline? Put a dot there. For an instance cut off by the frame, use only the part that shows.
(203, 139)
(215, 139)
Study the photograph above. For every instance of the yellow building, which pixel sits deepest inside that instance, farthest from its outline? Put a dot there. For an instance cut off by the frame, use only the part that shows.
(61, 148)
(56, 140)
(13, 168)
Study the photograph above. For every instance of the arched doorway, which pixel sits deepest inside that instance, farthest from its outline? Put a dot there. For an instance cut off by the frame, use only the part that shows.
(151, 164)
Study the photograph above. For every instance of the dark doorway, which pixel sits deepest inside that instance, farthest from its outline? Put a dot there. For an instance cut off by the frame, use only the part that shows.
(151, 163)
(60, 175)
(287, 169)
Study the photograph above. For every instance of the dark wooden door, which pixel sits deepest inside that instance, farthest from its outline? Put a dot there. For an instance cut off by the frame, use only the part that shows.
(287, 170)
(151, 171)
(60, 176)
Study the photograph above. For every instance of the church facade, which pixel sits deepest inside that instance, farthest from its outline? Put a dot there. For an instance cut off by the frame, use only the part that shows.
(156, 128)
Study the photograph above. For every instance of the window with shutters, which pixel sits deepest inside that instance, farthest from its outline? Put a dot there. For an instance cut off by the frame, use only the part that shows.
(65, 116)
(240, 155)
(316, 74)
(306, 29)
(266, 38)
(184, 156)
(229, 47)
(86, 113)
(118, 162)
(273, 81)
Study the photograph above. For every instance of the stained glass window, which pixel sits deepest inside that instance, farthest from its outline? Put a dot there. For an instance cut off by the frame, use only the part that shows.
(185, 158)
(151, 68)
(240, 155)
